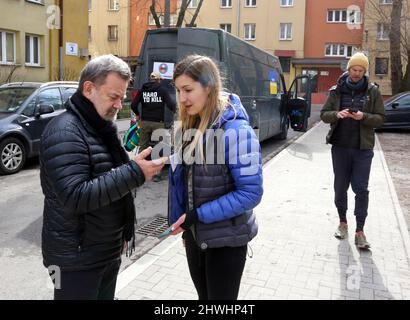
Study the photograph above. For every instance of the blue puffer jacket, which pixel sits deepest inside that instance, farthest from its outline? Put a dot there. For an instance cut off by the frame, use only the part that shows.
(244, 164)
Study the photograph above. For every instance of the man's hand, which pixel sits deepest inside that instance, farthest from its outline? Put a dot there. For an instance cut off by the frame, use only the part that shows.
(346, 114)
(343, 114)
(357, 115)
(149, 168)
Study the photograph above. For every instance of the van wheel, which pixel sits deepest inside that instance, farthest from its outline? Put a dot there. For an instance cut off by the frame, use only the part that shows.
(284, 133)
(12, 155)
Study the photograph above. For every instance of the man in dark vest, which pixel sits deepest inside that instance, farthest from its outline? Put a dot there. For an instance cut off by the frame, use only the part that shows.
(354, 108)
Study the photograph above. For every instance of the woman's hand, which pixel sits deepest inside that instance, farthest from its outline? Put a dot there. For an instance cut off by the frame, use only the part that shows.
(177, 225)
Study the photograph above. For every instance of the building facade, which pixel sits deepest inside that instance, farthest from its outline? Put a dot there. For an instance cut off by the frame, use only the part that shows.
(68, 39)
(333, 32)
(274, 26)
(31, 35)
(141, 20)
(376, 41)
(109, 27)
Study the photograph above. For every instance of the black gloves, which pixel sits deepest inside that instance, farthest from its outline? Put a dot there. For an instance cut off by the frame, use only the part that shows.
(190, 219)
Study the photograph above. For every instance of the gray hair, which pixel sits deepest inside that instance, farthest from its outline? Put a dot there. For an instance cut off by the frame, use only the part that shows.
(98, 69)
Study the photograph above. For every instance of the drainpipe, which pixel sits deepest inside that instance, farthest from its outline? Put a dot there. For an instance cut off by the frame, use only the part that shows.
(238, 19)
(60, 41)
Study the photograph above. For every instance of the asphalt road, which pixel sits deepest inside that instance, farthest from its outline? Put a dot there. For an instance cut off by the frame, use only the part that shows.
(23, 275)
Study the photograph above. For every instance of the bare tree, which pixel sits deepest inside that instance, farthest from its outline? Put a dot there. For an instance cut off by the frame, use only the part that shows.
(8, 73)
(399, 44)
(155, 4)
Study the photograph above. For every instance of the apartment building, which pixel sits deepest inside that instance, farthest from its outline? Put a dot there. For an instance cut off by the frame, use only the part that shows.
(32, 33)
(109, 27)
(333, 32)
(142, 20)
(376, 41)
(68, 39)
(274, 26)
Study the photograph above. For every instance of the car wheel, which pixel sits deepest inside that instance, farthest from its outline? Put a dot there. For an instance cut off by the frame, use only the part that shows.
(12, 155)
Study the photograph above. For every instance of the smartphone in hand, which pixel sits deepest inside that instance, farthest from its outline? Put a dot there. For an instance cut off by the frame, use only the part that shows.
(166, 233)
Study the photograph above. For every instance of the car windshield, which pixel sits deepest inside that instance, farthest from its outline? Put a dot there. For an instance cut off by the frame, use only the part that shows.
(12, 98)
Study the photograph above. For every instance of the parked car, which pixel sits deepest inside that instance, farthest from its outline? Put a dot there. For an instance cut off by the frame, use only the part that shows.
(397, 111)
(25, 109)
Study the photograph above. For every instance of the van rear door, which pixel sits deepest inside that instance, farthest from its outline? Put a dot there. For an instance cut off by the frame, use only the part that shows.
(298, 103)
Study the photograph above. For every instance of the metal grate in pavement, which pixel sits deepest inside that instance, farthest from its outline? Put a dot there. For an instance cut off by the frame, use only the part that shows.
(154, 228)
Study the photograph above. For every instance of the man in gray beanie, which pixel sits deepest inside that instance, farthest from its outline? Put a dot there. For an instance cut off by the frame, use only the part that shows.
(353, 109)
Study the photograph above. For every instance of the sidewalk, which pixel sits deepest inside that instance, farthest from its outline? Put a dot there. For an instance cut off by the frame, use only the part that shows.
(295, 255)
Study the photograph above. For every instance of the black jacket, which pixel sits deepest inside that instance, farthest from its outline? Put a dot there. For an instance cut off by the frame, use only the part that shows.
(153, 98)
(84, 206)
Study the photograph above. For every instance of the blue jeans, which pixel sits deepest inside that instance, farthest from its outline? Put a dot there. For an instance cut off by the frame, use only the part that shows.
(352, 167)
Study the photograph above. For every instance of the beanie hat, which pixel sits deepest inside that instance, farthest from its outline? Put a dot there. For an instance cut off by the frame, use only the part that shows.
(358, 59)
(155, 75)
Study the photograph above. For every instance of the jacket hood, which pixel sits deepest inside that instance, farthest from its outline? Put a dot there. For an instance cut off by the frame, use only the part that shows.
(234, 111)
(151, 86)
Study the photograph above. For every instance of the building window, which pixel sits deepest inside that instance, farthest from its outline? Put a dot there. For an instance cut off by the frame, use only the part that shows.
(193, 4)
(381, 66)
(89, 33)
(383, 31)
(286, 3)
(226, 26)
(336, 16)
(339, 50)
(32, 50)
(250, 3)
(385, 1)
(250, 31)
(7, 47)
(351, 50)
(354, 17)
(285, 31)
(226, 3)
(113, 33)
(161, 17)
(285, 63)
(89, 5)
(113, 5)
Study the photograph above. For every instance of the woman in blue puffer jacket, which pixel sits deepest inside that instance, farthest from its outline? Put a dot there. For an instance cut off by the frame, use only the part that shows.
(213, 186)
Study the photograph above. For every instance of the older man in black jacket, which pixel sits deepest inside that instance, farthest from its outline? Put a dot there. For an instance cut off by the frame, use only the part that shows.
(87, 179)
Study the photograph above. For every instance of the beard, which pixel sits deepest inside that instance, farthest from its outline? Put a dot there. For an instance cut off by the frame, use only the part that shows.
(111, 116)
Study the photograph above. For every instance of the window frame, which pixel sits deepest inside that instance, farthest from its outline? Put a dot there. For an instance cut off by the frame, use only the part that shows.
(226, 6)
(382, 31)
(109, 33)
(286, 24)
(287, 3)
(376, 59)
(3, 44)
(250, 3)
(246, 25)
(341, 13)
(113, 5)
(31, 63)
(225, 27)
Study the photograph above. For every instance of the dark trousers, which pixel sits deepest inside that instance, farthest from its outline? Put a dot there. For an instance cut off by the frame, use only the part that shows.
(216, 272)
(93, 284)
(352, 167)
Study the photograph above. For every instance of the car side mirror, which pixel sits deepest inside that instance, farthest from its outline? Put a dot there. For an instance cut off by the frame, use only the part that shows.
(44, 109)
(394, 105)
